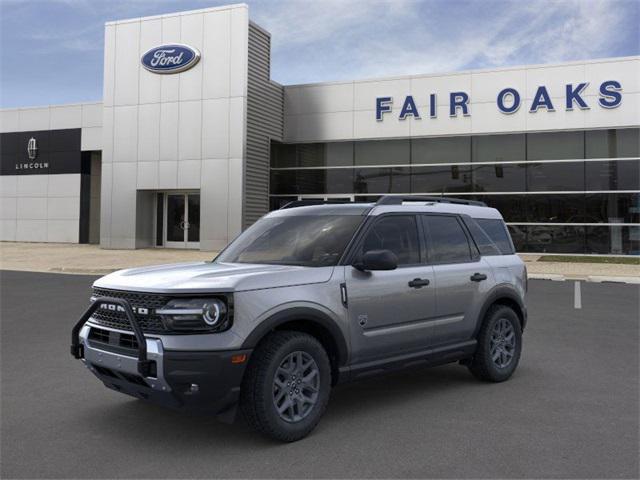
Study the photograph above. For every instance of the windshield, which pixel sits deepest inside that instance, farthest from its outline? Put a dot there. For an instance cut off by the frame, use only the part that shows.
(305, 240)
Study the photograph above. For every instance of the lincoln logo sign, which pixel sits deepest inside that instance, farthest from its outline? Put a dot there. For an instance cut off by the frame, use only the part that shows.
(508, 101)
(172, 58)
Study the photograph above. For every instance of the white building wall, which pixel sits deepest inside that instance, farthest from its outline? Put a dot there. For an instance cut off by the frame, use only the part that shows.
(40, 208)
(46, 208)
(178, 131)
(346, 110)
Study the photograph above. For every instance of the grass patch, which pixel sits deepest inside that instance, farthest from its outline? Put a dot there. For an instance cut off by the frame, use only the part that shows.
(585, 259)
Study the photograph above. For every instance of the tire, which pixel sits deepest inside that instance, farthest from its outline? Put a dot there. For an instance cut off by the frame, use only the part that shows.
(269, 383)
(500, 336)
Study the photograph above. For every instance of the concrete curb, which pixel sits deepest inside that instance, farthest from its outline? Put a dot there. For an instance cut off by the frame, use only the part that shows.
(586, 278)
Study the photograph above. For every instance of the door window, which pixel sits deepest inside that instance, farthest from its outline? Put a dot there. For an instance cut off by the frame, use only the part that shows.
(398, 233)
(448, 242)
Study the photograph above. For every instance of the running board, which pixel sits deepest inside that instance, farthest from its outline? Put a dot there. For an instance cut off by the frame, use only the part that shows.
(430, 357)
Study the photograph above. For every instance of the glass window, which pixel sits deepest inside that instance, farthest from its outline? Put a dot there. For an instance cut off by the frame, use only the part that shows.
(555, 208)
(497, 232)
(283, 155)
(499, 148)
(481, 238)
(513, 208)
(398, 233)
(305, 240)
(382, 180)
(555, 145)
(441, 150)
(447, 241)
(382, 152)
(544, 177)
(439, 179)
(310, 155)
(614, 240)
(548, 238)
(339, 154)
(613, 175)
(612, 208)
(499, 178)
(613, 143)
(283, 182)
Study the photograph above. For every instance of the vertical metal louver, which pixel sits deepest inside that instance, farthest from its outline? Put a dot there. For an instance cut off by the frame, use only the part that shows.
(265, 121)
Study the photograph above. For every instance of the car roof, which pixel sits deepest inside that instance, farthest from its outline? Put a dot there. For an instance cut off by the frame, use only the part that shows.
(474, 211)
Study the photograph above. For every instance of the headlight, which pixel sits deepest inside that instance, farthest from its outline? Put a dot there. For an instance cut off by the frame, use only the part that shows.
(196, 314)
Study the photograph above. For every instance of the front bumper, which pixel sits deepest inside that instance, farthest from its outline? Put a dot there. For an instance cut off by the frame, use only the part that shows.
(141, 367)
(208, 381)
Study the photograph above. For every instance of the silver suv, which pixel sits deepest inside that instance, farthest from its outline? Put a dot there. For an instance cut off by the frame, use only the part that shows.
(307, 297)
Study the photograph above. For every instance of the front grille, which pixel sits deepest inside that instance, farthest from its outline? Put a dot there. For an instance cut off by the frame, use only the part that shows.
(149, 323)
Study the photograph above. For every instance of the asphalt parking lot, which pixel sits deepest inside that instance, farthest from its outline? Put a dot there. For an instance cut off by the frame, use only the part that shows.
(570, 411)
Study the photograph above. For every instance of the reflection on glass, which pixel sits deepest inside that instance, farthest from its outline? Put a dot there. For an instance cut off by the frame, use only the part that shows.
(194, 217)
(613, 240)
(555, 145)
(437, 179)
(614, 175)
(382, 180)
(499, 178)
(499, 148)
(544, 177)
(175, 218)
(441, 150)
(556, 208)
(382, 152)
(548, 238)
(612, 143)
(612, 208)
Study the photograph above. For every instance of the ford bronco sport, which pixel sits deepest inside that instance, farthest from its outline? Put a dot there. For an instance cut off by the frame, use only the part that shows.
(307, 297)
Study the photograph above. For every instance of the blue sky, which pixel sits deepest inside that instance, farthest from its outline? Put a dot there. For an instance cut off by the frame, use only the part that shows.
(51, 50)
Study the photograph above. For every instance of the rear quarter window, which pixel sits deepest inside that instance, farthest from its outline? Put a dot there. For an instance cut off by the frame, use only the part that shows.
(498, 233)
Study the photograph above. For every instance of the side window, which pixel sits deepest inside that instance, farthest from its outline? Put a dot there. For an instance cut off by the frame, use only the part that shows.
(497, 231)
(398, 233)
(484, 243)
(448, 242)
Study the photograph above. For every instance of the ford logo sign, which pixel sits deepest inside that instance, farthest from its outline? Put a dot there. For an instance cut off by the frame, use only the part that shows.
(172, 58)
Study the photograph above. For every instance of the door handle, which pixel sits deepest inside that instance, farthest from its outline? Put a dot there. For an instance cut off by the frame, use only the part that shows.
(418, 283)
(478, 277)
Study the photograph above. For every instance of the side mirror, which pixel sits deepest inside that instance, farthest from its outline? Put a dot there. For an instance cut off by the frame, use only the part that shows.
(377, 260)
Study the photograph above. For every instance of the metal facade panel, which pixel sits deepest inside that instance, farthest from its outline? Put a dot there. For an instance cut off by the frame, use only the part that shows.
(265, 120)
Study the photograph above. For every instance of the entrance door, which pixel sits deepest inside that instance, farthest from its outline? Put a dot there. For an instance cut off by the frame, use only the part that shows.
(182, 220)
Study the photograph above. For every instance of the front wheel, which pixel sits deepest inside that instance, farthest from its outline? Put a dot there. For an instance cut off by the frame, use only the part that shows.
(286, 387)
(499, 345)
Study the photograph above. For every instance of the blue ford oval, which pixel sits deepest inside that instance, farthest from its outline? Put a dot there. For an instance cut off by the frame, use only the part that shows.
(173, 58)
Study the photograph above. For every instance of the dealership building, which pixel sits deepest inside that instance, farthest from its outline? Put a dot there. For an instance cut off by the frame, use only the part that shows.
(193, 142)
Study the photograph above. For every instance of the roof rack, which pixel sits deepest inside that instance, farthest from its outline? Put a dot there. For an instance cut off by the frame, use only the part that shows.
(312, 201)
(399, 199)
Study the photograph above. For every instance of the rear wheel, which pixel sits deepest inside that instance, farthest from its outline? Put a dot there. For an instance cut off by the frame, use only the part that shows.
(286, 388)
(499, 345)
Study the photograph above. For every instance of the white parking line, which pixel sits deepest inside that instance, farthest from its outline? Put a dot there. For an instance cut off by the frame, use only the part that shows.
(577, 295)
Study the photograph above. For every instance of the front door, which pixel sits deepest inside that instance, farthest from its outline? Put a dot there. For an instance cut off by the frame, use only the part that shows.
(182, 220)
(390, 313)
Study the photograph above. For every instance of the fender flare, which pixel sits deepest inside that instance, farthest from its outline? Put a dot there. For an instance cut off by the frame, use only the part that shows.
(300, 314)
(499, 292)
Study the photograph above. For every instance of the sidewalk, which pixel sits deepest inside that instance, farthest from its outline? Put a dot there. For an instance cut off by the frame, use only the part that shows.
(87, 259)
(90, 259)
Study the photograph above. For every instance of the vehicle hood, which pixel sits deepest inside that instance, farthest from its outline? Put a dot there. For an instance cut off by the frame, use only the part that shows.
(211, 277)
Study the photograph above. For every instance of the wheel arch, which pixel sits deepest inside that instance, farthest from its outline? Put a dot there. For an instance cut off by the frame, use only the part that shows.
(503, 295)
(310, 321)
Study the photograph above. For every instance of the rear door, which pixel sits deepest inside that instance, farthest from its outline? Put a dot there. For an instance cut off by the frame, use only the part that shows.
(387, 315)
(461, 277)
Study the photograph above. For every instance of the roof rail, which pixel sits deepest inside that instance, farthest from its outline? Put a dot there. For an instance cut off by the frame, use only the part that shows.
(312, 201)
(399, 199)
